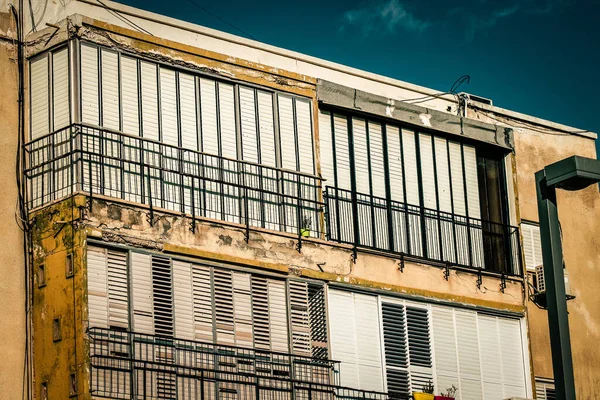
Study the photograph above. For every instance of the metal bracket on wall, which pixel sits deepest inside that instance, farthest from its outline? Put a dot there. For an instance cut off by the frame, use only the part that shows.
(401, 263)
(354, 254)
(150, 216)
(447, 271)
(502, 283)
(479, 279)
(193, 225)
(299, 244)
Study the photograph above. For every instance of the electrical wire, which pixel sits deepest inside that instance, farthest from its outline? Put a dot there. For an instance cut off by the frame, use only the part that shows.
(221, 19)
(453, 91)
(124, 19)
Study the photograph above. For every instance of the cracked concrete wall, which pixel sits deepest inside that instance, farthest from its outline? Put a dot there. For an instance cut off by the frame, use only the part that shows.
(579, 213)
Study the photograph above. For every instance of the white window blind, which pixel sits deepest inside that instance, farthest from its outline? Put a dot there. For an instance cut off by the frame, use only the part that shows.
(187, 111)
(544, 389)
(267, 128)
(90, 111)
(210, 136)
(110, 90)
(286, 132)
(532, 245)
(141, 293)
(130, 96)
(305, 136)
(342, 152)
(182, 293)
(168, 107)
(227, 122)
(60, 89)
(248, 124)
(149, 88)
(39, 97)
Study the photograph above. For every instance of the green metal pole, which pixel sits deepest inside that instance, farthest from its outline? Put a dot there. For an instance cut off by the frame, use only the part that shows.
(558, 320)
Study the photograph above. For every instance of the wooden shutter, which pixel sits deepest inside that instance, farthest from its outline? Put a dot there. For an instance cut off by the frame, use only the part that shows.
(39, 97)
(187, 111)
(224, 313)
(305, 135)
(204, 307)
(396, 349)
(149, 88)
(299, 321)
(326, 148)
(118, 289)
(266, 128)
(532, 245)
(141, 293)
(162, 295)
(90, 111)
(60, 89)
(130, 95)
(168, 107)
(242, 306)
(183, 300)
(110, 90)
(248, 124)
(97, 287)
(287, 135)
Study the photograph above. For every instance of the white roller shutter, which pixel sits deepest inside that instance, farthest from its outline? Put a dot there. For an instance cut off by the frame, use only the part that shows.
(326, 148)
(468, 355)
(444, 197)
(286, 132)
(149, 88)
(305, 135)
(355, 339)
(39, 97)
(130, 95)
(395, 162)
(110, 90)
(90, 111)
(491, 359)
(409, 151)
(187, 110)
(168, 107)
(118, 289)
(242, 306)
(267, 128)
(342, 152)
(511, 351)
(141, 293)
(361, 156)
(427, 171)
(227, 121)
(203, 303)
(248, 124)
(458, 182)
(97, 277)
(532, 245)
(444, 339)
(183, 300)
(210, 136)
(377, 160)
(60, 89)
(470, 159)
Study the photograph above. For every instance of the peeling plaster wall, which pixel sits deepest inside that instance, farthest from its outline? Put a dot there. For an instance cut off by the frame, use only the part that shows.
(579, 213)
(12, 274)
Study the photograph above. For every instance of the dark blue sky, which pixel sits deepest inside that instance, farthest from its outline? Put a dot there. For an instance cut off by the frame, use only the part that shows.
(539, 57)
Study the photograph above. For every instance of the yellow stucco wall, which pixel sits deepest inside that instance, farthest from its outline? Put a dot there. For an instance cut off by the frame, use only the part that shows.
(579, 213)
(12, 271)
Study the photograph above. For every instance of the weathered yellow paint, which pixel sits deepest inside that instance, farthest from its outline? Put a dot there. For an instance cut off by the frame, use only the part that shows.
(55, 236)
(233, 67)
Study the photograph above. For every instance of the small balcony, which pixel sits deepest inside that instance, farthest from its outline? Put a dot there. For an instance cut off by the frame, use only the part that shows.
(127, 365)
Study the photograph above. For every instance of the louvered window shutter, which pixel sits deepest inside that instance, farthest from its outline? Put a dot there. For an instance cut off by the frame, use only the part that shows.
(343, 206)
(326, 148)
(442, 169)
(266, 125)
(468, 355)
(242, 306)
(248, 124)
(182, 294)
(204, 307)
(305, 135)
(224, 313)
(287, 135)
(278, 316)
(97, 276)
(210, 145)
(419, 346)
(60, 89)
(228, 134)
(544, 389)
(141, 285)
(395, 345)
(130, 95)
(118, 289)
(444, 339)
(163, 296)
(149, 86)
(168, 106)
(363, 182)
(260, 311)
(300, 324)
(90, 111)
(343, 335)
(39, 97)
(532, 245)
(473, 208)
(187, 111)
(318, 320)
(511, 351)
(110, 89)
(491, 359)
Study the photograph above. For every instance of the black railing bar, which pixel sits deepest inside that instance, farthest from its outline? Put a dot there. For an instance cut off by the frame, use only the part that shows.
(93, 127)
(134, 335)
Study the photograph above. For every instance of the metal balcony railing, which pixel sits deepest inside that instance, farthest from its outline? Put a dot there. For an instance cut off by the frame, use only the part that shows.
(396, 227)
(126, 365)
(99, 161)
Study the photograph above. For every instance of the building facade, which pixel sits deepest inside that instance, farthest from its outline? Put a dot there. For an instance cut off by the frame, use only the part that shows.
(211, 217)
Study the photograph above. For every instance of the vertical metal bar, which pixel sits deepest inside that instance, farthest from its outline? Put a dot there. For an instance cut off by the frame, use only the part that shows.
(335, 177)
(353, 184)
(370, 171)
(421, 198)
(405, 200)
(462, 158)
(452, 202)
(558, 319)
(437, 198)
(388, 189)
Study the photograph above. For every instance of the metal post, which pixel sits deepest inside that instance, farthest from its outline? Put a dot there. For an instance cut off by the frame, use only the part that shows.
(558, 320)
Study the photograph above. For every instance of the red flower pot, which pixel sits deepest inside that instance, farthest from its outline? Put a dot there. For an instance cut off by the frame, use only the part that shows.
(443, 398)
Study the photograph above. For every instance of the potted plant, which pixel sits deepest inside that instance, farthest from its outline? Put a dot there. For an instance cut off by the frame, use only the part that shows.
(450, 394)
(426, 392)
(305, 228)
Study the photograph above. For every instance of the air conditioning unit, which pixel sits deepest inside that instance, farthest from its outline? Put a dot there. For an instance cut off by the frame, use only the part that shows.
(540, 285)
